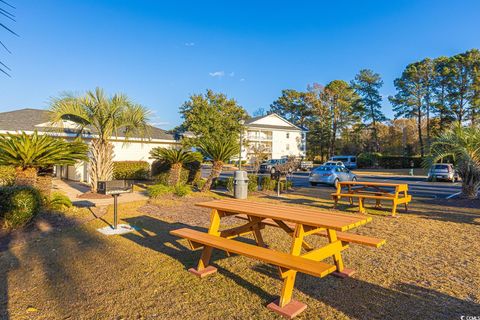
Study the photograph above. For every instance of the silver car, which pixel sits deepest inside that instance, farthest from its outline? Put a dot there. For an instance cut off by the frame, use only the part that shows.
(330, 175)
(442, 171)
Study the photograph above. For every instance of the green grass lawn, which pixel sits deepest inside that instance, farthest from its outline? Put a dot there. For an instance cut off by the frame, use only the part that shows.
(428, 269)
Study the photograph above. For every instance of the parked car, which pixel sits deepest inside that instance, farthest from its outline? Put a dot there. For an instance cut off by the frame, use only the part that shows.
(306, 165)
(348, 161)
(330, 175)
(443, 171)
(334, 163)
(272, 165)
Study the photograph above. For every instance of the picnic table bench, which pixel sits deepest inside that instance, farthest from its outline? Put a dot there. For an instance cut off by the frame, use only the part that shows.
(373, 190)
(298, 222)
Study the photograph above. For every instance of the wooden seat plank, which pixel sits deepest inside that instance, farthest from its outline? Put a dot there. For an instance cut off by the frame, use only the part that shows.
(358, 195)
(306, 216)
(280, 259)
(343, 236)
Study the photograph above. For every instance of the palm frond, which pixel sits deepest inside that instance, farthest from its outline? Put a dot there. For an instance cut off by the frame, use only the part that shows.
(35, 151)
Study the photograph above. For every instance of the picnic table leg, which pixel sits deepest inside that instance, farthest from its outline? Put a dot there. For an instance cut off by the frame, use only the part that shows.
(361, 207)
(257, 233)
(350, 191)
(285, 305)
(341, 272)
(203, 269)
(394, 208)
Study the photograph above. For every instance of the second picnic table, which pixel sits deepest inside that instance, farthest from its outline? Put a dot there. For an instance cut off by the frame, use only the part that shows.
(298, 222)
(395, 192)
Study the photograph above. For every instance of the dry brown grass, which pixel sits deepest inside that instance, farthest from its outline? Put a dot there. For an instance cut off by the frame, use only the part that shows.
(429, 269)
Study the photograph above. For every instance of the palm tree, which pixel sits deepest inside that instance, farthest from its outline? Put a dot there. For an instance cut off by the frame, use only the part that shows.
(220, 152)
(463, 145)
(176, 159)
(106, 117)
(29, 153)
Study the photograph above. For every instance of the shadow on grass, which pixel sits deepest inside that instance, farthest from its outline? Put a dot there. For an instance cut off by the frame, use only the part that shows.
(53, 255)
(363, 300)
(155, 235)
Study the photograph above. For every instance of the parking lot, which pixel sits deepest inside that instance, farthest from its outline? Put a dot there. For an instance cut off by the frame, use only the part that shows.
(418, 186)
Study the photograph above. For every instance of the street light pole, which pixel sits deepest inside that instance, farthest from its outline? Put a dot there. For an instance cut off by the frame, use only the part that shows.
(241, 122)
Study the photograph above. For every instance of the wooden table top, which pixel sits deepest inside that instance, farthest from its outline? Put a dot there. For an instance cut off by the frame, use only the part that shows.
(295, 214)
(366, 183)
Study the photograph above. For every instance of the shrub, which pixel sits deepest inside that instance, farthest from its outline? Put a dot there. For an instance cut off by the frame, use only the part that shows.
(368, 159)
(252, 183)
(182, 190)
(131, 170)
(18, 205)
(268, 183)
(158, 190)
(229, 184)
(200, 183)
(7, 175)
(59, 201)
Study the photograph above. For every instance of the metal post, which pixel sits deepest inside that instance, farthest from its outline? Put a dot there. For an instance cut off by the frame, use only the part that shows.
(115, 217)
(278, 186)
(240, 154)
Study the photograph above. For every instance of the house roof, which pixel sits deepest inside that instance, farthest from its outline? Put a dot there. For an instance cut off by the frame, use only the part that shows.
(35, 119)
(288, 125)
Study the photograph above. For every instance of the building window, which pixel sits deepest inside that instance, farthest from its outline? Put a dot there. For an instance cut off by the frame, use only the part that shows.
(288, 136)
(287, 146)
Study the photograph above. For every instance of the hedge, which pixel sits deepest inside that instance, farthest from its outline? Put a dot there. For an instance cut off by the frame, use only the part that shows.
(7, 175)
(131, 170)
(370, 160)
(18, 205)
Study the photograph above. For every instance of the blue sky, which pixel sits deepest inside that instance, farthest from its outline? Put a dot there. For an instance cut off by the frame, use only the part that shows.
(161, 52)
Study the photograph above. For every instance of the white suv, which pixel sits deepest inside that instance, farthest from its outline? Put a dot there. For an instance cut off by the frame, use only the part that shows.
(442, 171)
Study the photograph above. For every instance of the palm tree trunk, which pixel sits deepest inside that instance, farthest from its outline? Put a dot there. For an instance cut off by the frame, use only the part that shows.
(101, 162)
(44, 185)
(175, 174)
(216, 170)
(26, 177)
(470, 191)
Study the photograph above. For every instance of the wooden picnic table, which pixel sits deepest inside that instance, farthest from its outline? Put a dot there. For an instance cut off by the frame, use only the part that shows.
(395, 192)
(298, 222)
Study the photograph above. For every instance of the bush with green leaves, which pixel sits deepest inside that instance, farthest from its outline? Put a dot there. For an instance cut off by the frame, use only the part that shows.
(131, 170)
(182, 190)
(18, 205)
(7, 175)
(200, 183)
(59, 201)
(269, 184)
(252, 183)
(158, 190)
(229, 184)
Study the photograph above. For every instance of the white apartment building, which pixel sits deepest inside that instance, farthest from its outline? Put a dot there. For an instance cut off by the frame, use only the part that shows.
(275, 136)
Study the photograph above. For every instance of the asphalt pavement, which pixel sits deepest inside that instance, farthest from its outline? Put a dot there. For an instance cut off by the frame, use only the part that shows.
(417, 185)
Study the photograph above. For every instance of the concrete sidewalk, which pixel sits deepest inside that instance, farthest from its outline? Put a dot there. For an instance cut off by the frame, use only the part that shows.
(74, 189)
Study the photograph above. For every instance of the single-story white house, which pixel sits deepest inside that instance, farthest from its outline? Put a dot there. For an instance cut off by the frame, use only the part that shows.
(135, 149)
(275, 136)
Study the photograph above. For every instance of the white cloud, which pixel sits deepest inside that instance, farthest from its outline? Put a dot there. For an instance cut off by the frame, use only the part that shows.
(218, 74)
(189, 44)
(231, 74)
